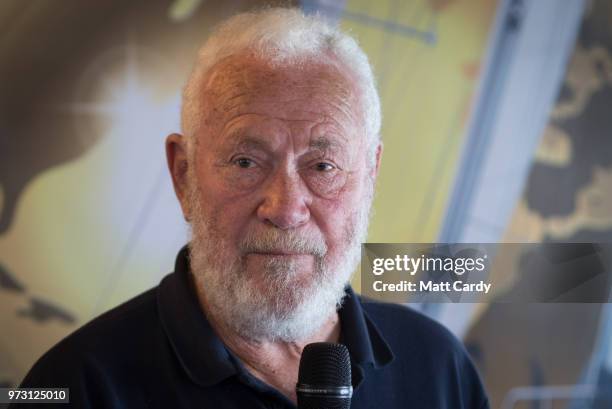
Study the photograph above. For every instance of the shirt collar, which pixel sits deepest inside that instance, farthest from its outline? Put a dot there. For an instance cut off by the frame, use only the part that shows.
(361, 336)
(203, 355)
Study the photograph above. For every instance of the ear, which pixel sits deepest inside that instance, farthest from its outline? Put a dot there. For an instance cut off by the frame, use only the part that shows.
(379, 150)
(176, 155)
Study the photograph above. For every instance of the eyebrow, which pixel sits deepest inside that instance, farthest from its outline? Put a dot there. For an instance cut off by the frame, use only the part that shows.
(250, 142)
(324, 143)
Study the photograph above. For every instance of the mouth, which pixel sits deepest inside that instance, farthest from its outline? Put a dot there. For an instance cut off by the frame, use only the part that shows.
(278, 253)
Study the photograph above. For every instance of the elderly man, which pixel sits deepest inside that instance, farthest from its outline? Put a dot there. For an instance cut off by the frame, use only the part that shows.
(275, 173)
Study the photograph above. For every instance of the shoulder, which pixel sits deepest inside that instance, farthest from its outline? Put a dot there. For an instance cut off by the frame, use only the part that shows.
(405, 326)
(425, 349)
(119, 328)
(103, 345)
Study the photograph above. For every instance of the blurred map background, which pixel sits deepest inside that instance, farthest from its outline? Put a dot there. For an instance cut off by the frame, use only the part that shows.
(567, 198)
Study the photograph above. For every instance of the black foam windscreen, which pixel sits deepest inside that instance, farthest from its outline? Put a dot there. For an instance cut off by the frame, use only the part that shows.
(324, 380)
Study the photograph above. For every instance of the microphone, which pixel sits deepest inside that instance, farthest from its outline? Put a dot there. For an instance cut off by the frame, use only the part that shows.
(324, 378)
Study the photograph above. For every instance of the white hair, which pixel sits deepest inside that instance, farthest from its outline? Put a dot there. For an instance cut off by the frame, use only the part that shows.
(282, 36)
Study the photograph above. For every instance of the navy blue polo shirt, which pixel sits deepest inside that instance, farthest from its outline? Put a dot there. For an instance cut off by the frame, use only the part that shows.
(159, 351)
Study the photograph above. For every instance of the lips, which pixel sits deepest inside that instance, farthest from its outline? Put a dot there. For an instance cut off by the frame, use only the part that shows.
(277, 253)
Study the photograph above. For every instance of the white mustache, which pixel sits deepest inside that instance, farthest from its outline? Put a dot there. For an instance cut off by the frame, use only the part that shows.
(274, 240)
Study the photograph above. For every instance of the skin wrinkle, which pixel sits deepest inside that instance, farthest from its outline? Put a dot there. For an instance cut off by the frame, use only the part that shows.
(223, 77)
(321, 147)
(324, 120)
(235, 147)
(321, 122)
(235, 101)
(329, 142)
(238, 111)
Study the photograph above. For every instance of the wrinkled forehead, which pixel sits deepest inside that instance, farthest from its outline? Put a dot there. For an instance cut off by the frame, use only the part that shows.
(245, 82)
(249, 71)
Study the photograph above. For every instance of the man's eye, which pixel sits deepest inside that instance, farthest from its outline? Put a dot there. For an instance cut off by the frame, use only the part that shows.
(324, 167)
(244, 163)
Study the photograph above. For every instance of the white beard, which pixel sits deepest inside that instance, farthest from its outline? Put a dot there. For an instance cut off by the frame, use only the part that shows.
(283, 306)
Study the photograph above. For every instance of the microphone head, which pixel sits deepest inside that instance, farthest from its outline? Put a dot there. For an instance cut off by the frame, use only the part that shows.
(324, 379)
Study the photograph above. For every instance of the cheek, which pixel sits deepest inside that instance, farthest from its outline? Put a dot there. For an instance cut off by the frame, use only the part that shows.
(219, 204)
(336, 216)
(235, 181)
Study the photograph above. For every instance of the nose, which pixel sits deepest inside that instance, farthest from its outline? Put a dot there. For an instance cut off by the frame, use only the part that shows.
(285, 201)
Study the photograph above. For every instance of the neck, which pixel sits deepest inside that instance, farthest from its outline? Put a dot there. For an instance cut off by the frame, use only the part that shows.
(274, 362)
